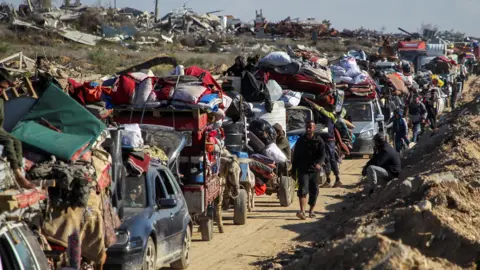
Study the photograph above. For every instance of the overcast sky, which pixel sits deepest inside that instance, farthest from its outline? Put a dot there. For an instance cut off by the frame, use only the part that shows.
(373, 14)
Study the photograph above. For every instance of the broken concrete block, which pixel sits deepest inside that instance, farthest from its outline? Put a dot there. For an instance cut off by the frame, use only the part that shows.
(446, 178)
(406, 188)
(425, 205)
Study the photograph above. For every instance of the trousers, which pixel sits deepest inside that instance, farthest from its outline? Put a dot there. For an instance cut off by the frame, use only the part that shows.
(12, 149)
(377, 175)
(308, 185)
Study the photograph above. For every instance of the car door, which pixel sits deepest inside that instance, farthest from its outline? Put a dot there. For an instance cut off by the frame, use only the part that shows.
(162, 222)
(176, 212)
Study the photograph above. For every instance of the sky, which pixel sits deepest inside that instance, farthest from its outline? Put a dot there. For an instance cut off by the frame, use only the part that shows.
(373, 14)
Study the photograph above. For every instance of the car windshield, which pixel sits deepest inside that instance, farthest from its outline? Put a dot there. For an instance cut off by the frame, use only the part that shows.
(135, 192)
(359, 112)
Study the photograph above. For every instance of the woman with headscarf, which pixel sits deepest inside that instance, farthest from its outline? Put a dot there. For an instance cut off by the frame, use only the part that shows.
(282, 141)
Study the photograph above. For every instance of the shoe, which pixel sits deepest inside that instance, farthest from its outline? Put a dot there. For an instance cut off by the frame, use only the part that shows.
(338, 184)
(312, 215)
(325, 185)
(301, 216)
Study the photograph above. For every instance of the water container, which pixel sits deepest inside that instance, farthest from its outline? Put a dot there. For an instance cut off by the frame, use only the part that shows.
(234, 136)
(278, 114)
(197, 178)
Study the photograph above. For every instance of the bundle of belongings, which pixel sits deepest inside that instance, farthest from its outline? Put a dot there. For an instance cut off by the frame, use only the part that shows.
(195, 88)
(441, 65)
(349, 77)
(64, 157)
(263, 168)
(264, 153)
(295, 74)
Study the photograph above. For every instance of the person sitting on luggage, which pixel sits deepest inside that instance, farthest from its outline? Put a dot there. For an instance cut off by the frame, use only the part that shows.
(12, 147)
(282, 141)
(383, 166)
(237, 68)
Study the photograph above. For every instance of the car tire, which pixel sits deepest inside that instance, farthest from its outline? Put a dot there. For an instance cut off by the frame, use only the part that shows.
(149, 256)
(184, 261)
(240, 210)
(285, 191)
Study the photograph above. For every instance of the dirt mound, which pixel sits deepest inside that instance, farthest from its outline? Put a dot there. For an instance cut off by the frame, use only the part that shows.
(428, 218)
(376, 252)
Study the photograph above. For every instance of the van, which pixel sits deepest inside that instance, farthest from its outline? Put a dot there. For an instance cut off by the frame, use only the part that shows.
(366, 115)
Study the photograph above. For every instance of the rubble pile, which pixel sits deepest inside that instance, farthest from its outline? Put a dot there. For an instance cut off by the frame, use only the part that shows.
(428, 218)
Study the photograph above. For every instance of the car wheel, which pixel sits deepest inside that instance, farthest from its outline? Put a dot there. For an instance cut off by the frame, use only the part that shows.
(150, 256)
(184, 261)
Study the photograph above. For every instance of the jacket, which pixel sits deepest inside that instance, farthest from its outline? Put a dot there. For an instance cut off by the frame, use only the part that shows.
(308, 153)
(284, 145)
(386, 157)
(417, 112)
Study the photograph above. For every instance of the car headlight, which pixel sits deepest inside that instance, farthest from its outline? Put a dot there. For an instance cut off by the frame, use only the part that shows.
(366, 134)
(122, 238)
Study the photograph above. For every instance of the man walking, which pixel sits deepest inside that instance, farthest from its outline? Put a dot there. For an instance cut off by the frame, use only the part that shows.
(308, 158)
(418, 114)
(384, 165)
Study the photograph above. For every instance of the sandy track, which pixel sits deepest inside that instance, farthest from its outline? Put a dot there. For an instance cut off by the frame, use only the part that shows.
(270, 229)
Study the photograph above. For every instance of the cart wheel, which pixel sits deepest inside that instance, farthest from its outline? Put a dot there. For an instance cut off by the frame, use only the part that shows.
(285, 191)
(206, 228)
(292, 189)
(240, 211)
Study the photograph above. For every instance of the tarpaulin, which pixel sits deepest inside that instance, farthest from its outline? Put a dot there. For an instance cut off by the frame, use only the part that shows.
(79, 128)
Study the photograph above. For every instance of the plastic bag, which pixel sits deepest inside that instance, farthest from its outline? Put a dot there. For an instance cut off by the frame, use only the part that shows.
(291, 98)
(275, 90)
(276, 59)
(132, 136)
(273, 152)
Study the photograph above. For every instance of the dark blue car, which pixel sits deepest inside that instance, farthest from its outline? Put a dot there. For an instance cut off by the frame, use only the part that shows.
(156, 227)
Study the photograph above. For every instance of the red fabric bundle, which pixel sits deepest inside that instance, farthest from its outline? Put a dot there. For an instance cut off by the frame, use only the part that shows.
(86, 93)
(207, 76)
(123, 90)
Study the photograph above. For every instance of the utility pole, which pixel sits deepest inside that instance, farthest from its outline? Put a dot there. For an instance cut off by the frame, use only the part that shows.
(156, 11)
(115, 4)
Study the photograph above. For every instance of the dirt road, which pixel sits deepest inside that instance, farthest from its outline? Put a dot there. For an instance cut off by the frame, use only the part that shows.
(270, 228)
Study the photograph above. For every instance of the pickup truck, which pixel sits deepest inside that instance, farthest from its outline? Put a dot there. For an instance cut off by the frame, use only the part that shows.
(156, 227)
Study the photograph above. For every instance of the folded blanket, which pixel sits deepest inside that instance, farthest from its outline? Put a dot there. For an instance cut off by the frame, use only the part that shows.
(263, 159)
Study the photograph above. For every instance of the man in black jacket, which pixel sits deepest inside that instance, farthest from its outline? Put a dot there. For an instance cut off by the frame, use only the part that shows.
(308, 158)
(418, 114)
(384, 165)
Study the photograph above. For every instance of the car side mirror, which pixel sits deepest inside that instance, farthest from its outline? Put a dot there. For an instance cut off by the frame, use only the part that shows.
(167, 203)
(379, 118)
